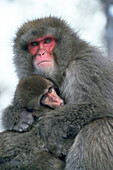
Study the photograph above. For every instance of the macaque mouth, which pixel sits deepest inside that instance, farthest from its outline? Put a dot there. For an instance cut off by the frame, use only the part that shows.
(44, 62)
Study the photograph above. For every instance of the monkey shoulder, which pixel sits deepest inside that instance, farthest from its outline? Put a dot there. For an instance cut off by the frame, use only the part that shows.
(85, 74)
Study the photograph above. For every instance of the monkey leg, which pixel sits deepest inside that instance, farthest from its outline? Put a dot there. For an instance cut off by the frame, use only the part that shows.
(93, 147)
(26, 151)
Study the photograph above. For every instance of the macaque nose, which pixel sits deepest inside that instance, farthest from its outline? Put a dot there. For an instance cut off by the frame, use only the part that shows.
(41, 53)
(54, 99)
(58, 101)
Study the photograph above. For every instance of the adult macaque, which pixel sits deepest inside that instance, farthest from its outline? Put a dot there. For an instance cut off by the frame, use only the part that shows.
(50, 48)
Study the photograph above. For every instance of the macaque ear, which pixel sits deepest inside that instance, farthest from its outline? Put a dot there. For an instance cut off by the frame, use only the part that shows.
(22, 103)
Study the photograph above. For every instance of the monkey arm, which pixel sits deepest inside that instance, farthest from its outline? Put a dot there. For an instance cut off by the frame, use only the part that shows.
(64, 124)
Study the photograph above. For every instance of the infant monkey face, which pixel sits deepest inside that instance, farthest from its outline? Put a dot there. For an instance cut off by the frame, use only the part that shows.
(51, 99)
(35, 91)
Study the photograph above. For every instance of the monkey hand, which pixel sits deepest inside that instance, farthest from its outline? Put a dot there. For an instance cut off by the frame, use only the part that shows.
(25, 122)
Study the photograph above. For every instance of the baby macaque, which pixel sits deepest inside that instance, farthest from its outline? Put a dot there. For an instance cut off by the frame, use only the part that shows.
(31, 93)
(35, 91)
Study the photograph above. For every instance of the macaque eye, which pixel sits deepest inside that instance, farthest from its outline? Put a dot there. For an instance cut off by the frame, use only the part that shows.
(50, 90)
(47, 41)
(34, 44)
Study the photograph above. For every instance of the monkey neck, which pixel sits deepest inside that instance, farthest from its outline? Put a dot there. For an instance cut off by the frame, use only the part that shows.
(50, 73)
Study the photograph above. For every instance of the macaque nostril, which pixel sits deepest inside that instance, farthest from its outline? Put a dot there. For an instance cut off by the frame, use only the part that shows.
(62, 104)
(40, 54)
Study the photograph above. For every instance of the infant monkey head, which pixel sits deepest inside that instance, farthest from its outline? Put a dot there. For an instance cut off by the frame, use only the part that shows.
(35, 91)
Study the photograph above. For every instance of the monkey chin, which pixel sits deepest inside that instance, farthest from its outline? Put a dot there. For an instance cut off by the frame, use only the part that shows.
(47, 71)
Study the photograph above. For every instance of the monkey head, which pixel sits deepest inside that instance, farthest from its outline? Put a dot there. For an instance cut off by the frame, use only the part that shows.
(43, 47)
(35, 91)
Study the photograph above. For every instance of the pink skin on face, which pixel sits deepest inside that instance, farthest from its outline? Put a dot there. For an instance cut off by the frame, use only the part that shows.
(52, 99)
(42, 49)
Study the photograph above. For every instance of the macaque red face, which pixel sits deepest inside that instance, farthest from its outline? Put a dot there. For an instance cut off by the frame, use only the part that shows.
(42, 50)
(51, 99)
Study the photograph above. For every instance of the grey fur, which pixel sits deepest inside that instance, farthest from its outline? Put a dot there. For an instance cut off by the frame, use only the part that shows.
(85, 79)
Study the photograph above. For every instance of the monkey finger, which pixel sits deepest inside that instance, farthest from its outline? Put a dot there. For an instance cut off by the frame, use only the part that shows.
(21, 127)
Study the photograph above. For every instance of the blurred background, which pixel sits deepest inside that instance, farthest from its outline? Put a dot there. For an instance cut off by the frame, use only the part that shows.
(92, 19)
